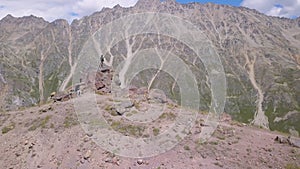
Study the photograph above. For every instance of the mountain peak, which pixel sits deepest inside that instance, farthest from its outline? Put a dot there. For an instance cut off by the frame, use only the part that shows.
(8, 17)
(148, 2)
(143, 3)
(30, 18)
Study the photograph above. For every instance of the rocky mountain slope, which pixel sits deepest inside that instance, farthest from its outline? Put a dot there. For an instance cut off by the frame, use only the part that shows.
(260, 55)
(50, 136)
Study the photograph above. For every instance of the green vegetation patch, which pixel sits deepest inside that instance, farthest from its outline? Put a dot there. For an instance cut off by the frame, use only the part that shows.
(8, 128)
(128, 129)
(156, 131)
(169, 116)
(70, 121)
(292, 166)
(39, 123)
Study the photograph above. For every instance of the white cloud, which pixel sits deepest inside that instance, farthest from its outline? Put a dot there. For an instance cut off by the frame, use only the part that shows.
(71, 9)
(283, 8)
(55, 9)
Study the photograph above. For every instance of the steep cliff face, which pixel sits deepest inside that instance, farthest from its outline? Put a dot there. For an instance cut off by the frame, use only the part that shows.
(260, 55)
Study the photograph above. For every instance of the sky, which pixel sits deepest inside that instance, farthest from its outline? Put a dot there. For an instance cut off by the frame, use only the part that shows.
(74, 9)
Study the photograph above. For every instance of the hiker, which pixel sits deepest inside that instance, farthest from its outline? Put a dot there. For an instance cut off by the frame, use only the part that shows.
(101, 60)
(77, 90)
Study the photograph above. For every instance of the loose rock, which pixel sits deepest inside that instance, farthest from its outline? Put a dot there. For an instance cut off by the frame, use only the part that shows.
(140, 162)
(87, 155)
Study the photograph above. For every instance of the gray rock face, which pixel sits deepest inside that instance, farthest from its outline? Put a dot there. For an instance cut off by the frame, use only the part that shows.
(123, 107)
(260, 55)
(158, 96)
(295, 142)
(127, 104)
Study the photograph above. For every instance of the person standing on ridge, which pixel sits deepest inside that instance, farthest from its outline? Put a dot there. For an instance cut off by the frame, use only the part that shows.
(101, 60)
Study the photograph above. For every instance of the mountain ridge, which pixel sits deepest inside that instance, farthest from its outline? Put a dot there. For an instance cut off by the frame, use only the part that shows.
(260, 55)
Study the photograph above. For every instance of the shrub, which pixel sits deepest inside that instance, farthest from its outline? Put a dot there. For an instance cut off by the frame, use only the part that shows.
(70, 121)
(292, 166)
(8, 128)
(40, 123)
(155, 131)
(187, 148)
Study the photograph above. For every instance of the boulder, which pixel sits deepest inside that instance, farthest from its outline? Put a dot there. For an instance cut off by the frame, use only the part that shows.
(295, 142)
(123, 107)
(127, 104)
(140, 161)
(158, 96)
(87, 155)
(121, 111)
(282, 140)
(100, 85)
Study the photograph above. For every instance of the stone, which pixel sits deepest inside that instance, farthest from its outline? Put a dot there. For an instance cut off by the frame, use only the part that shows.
(140, 161)
(282, 140)
(105, 70)
(31, 145)
(123, 107)
(87, 155)
(158, 96)
(86, 139)
(127, 104)
(108, 160)
(100, 85)
(89, 134)
(117, 81)
(295, 142)
(116, 161)
(45, 109)
(121, 111)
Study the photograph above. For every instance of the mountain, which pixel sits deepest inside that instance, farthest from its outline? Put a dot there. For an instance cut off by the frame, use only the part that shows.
(260, 55)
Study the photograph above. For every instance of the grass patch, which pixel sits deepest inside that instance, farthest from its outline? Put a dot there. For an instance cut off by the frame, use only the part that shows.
(178, 137)
(169, 116)
(39, 123)
(127, 129)
(112, 111)
(70, 121)
(99, 93)
(8, 128)
(137, 105)
(155, 131)
(292, 166)
(218, 134)
(171, 106)
(187, 148)
(131, 113)
(213, 143)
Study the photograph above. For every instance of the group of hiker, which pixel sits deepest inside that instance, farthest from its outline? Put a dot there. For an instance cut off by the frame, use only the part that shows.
(63, 96)
(76, 89)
